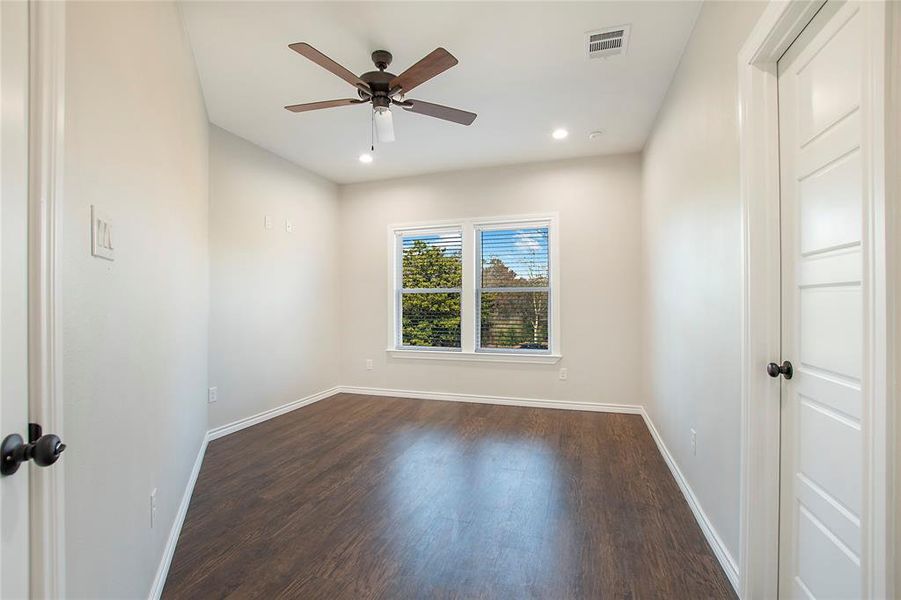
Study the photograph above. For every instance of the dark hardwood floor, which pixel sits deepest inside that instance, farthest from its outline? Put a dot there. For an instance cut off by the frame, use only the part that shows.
(368, 497)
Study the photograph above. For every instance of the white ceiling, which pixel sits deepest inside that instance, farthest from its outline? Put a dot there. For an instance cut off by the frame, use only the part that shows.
(522, 68)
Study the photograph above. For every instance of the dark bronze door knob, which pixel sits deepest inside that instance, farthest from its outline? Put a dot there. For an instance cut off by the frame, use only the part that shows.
(43, 449)
(785, 369)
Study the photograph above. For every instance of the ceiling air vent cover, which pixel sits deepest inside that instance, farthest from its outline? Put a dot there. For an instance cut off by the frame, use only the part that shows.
(607, 42)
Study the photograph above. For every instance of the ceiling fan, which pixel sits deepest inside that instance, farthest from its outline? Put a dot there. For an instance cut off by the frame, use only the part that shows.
(383, 89)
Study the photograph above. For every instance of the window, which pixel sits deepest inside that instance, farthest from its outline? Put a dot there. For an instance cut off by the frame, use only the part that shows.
(513, 288)
(476, 290)
(431, 285)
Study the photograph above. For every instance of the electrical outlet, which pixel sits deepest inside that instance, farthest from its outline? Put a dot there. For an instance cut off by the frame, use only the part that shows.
(289, 226)
(694, 442)
(152, 508)
(563, 374)
(212, 394)
(267, 222)
(368, 364)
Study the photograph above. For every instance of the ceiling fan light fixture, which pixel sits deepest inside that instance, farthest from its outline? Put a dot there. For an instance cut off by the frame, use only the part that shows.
(366, 158)
(384, 123)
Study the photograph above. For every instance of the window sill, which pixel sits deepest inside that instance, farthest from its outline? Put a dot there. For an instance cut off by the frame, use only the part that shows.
(497, 357)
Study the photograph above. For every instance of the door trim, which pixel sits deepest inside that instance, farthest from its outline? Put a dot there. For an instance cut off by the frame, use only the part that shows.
(47, 23)
(774, 32)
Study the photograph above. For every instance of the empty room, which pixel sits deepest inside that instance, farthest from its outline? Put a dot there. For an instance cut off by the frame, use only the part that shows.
(402, 300)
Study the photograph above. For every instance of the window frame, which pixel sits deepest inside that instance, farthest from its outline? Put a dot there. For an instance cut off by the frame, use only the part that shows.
(470, 327)
(480, 227)
(400, 290)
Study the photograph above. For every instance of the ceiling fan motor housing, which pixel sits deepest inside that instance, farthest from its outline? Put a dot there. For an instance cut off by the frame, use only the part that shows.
(379, 82)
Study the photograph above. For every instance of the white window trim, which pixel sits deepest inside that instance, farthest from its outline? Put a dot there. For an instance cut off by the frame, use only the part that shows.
(469, 315)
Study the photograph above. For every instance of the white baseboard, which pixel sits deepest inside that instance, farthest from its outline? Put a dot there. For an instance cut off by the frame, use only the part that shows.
(713, 538)
(502, 400)
(159, 582)
(218, 432)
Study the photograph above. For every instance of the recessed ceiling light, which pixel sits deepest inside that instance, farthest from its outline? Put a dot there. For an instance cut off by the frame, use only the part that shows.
(365, 158)
(560, 134)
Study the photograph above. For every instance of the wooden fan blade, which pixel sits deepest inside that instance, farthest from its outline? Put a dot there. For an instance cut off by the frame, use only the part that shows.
(324, 104)
(436, 62)
(441, 112)
(304, 49)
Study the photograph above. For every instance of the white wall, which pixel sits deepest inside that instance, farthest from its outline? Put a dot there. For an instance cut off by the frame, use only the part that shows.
(134, 330)
(691, 237)
(274, 331)
(598, 204)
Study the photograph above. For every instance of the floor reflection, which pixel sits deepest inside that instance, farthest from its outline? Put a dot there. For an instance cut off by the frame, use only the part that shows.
(463, 506)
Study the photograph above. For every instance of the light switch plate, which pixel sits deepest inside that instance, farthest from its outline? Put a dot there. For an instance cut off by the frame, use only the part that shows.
(267, 222)
(101, 235)
(289, 226)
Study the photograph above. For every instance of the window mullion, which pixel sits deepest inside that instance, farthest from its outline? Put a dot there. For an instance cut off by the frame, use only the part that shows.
(468, 297)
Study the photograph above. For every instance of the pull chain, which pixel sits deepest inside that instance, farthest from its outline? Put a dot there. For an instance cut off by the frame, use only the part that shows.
(372, 131)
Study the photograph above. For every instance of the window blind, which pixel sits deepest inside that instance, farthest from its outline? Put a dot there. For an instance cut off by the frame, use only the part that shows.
(514, 289)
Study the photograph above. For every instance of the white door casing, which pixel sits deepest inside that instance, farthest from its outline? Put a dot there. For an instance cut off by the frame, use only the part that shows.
(823, 212)
(14, 489)
(47, 72)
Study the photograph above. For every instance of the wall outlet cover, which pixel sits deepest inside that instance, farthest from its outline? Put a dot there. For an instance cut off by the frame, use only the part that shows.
(212, 395)
(267, 222)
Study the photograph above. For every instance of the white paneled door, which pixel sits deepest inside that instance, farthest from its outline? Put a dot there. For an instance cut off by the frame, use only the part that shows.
(821, 121)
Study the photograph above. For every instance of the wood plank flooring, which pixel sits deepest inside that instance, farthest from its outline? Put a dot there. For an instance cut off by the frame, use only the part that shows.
(368, 497)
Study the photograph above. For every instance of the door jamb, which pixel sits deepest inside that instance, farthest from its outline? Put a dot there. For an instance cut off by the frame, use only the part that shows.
(47, 41)
(774, 32)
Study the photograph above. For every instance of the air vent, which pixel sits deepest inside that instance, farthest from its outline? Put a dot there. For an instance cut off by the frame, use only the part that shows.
(607, 42)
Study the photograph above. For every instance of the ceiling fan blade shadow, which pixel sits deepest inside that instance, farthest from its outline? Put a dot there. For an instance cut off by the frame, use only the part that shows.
(438, 111)
(436, 62)
(308, 51)
(324, 104)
